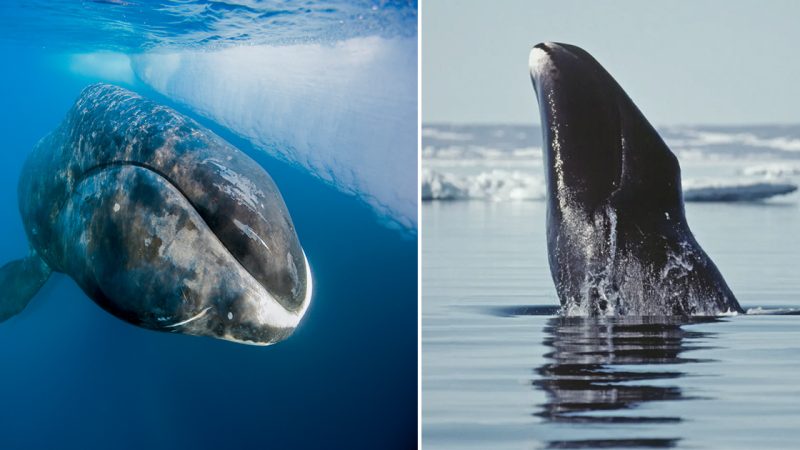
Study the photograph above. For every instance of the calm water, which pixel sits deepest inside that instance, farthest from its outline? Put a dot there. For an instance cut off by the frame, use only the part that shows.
(501, 371)
(76, 377)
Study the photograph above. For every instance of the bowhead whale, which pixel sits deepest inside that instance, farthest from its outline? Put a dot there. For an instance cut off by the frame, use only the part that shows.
(159, 221)
(617, 237)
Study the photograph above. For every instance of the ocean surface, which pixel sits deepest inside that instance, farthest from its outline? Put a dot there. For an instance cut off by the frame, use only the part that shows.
(500, 368)
(75, 377)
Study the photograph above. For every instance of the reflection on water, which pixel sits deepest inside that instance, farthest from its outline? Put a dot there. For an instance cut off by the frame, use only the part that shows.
(481, 349)
(600, 371)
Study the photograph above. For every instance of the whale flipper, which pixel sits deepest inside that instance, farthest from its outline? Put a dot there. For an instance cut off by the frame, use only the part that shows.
(20, 280)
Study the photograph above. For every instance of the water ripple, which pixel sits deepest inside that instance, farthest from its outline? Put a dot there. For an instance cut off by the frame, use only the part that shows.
(138, 25)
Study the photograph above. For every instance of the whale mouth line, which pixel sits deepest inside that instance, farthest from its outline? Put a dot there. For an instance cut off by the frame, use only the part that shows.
(93, 170)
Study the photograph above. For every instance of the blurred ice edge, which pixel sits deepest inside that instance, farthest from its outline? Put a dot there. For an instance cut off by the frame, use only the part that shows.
(503, 162)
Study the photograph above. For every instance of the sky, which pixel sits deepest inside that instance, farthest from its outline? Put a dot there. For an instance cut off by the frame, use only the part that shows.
(718, 62)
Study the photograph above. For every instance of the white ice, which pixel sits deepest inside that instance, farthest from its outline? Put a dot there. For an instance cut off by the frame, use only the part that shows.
(346, 112)
(515, 185)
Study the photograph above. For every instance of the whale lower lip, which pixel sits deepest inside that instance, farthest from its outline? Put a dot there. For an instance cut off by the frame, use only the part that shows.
(286, 321)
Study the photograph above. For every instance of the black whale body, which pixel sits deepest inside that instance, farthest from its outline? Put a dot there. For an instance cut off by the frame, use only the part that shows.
(160, 222)
(617, 235)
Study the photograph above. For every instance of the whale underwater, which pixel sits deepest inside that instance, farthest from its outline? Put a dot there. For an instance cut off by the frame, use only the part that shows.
(161, 222)
(617, 236)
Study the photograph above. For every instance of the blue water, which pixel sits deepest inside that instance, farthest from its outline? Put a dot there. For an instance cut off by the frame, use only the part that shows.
(500, 370)
(76, 377)
(141, 24)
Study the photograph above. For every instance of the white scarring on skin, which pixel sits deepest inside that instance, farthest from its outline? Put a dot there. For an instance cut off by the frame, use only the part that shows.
(190, 319)
(251, 233)
(240, 187)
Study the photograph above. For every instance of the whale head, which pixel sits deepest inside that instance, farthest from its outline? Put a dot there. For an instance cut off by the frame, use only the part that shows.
(617, 237)
(151, 257)
(163, 223)
(599, 146)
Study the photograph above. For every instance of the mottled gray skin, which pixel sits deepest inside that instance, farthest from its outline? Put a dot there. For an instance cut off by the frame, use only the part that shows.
(617, 235)
(163, 223)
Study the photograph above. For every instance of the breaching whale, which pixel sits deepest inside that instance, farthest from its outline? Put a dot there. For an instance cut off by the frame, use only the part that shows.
(617, 237)
(161, 222)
